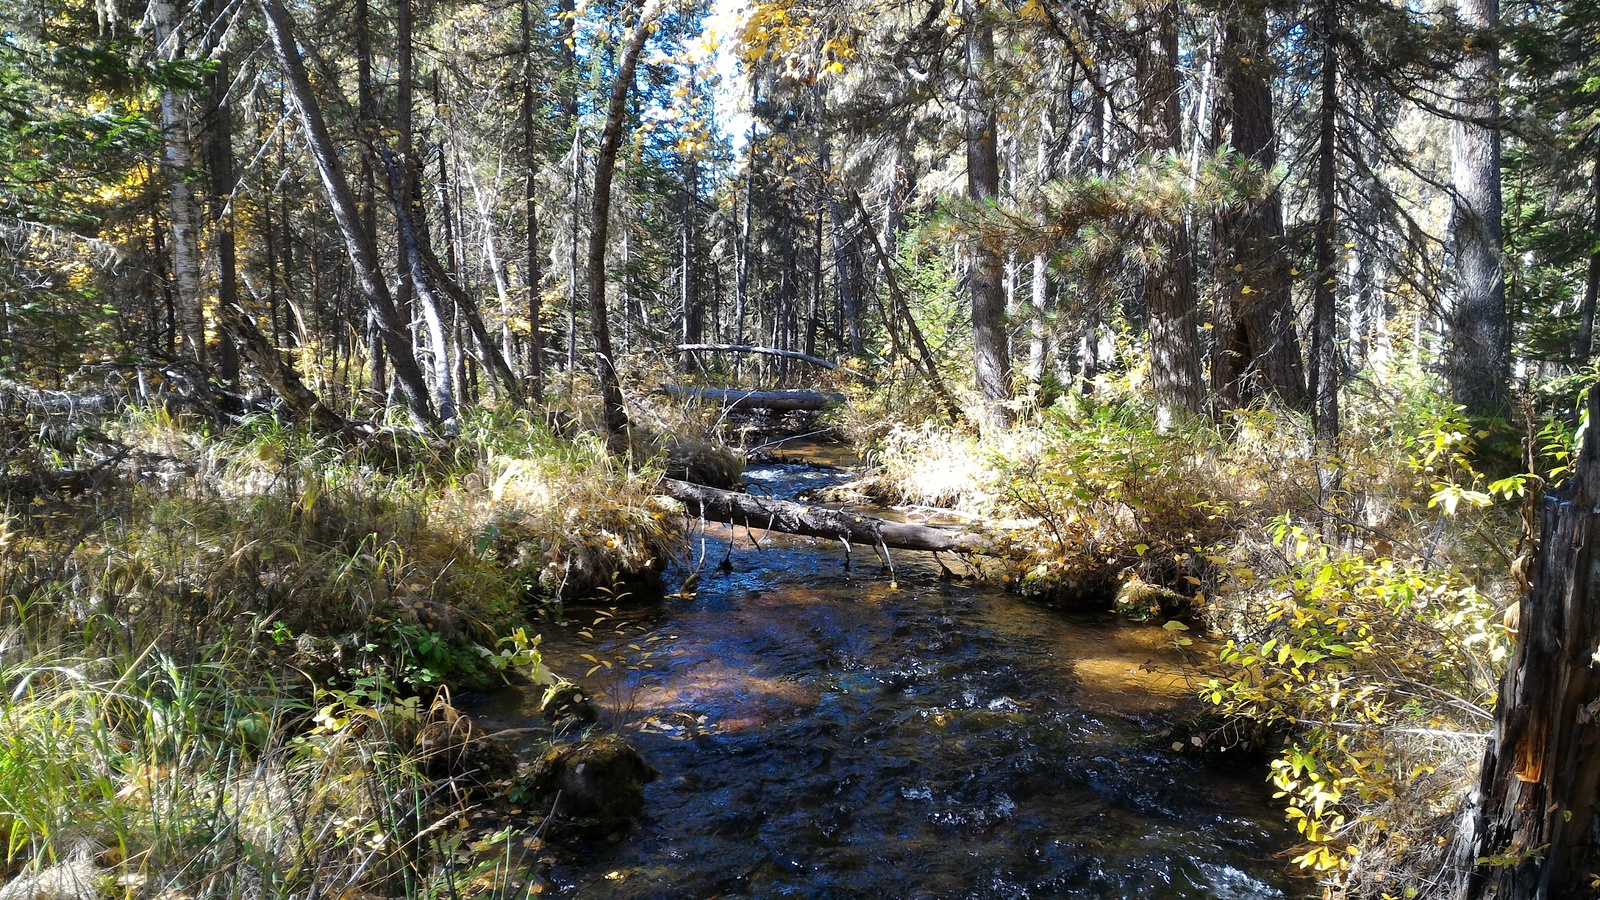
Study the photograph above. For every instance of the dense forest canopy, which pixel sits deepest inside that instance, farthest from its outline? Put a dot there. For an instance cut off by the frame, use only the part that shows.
(1280, 314)
(1242, 201)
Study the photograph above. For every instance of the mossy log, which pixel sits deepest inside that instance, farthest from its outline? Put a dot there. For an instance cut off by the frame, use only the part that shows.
(819, 521)
(778, 401)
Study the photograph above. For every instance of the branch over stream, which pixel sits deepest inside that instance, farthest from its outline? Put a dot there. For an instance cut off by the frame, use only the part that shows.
(819, 521)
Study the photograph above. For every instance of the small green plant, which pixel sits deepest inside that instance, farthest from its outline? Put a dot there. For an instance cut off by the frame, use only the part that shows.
(519, 653)
(1377, 670)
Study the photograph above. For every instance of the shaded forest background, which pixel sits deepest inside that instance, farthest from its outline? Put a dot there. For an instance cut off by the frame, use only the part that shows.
(1238, 202)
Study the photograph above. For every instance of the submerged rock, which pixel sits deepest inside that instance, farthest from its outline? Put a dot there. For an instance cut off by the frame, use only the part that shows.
(596, 786)
(450, 746)
(569, 701)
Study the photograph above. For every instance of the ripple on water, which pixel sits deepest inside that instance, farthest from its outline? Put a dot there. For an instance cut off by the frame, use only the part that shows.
(844, 739)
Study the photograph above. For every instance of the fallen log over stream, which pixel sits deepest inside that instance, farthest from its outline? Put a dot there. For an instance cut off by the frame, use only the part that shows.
(819, 521)
(782, 401)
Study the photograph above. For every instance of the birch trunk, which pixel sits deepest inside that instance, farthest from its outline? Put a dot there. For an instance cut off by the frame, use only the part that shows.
(183, 210)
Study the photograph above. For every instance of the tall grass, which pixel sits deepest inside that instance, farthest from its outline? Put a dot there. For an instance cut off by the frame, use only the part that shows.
(211, 670)
(208, 781)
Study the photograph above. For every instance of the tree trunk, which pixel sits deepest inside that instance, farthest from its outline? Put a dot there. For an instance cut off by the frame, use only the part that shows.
(816, 314)
(497, 272)
(412, 233)
(347, 215)
(531, 275)
(405, 144)
(849, 303)
(694, 311)
(1591, 286)
(741, 277)
(221, 213)
(573, 259)
(1256, 350)
(177, 164)
(367, 114)
(277, 371)
(1169, 287)
(765, 351)
(991, 350)
(1532, 836)
(1324, 349)
(1039, 285)
(427, 300)
(434, 274)
(1478, 366)
(902, 310)
(614, 414)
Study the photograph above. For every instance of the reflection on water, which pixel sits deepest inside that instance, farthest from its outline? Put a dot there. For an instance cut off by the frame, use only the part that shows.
(821, 734)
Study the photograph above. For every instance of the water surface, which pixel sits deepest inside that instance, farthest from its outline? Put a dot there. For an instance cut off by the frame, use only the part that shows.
(824, 732)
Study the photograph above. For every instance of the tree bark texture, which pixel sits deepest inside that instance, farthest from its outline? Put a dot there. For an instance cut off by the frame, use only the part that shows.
(985, 281)
(531, 275)
(1169, 287)
(1533, 836)
(1479, 359)
(276, 370)
(694, 310)
(741, 277)
(1039, 287)
(1324, 349)
(1584, 348)
(427, 299)
(221, 213)
(1256, 350)
(849, 303)
(359, 243)
(1478, 366)
(183, 210)
(614, 414)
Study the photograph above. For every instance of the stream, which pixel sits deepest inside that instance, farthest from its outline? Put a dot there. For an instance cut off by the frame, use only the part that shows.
(831, 733)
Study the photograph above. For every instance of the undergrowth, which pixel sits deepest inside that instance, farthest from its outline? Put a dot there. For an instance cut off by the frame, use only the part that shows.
(218, 654)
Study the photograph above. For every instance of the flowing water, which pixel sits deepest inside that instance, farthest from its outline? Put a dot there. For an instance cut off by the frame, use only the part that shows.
(830, 733)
